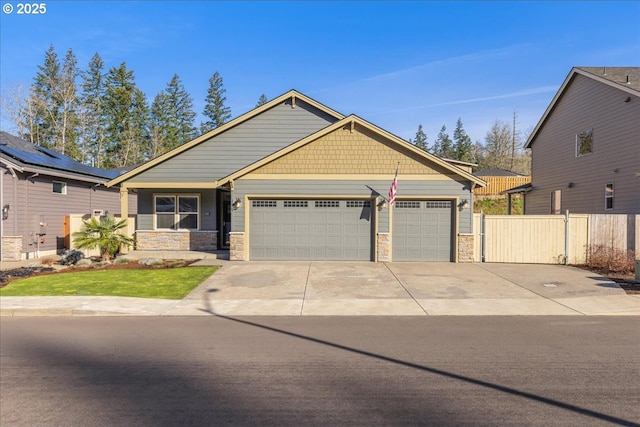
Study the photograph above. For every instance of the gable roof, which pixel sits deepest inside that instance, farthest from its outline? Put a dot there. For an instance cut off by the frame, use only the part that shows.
(353, 120)
(292, 95)
(626, 79)
(27, 156)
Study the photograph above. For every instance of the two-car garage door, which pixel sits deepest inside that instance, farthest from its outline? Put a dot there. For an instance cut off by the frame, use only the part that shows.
(311, 229)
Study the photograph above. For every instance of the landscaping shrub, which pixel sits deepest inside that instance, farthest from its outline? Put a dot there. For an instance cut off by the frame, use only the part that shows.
(71, 257)
(610, 260)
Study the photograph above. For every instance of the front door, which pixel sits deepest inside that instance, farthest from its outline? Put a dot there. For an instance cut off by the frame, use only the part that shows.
(224, 218)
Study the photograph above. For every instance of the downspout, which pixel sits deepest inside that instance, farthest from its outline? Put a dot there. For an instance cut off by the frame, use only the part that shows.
(26, 210)
(566, 237)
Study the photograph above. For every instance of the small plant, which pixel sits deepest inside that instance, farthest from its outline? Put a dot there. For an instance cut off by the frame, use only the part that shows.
(610, 260)
(48, 260)
(104, 234)
(118, 261)
(71, 257)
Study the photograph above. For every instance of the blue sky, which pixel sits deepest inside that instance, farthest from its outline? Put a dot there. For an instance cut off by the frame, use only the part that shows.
(396, 64)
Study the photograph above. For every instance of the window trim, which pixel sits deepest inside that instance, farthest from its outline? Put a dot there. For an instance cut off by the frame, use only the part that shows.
(176, 211)
(609, 195)
(63, 187)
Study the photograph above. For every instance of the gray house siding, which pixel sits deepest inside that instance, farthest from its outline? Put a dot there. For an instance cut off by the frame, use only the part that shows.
(208, 211)
(33, 201)
(240, 146)
(354, 188)
(588, 104)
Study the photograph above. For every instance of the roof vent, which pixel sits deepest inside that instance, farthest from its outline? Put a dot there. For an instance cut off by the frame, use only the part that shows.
(628, 82)
(604, 70)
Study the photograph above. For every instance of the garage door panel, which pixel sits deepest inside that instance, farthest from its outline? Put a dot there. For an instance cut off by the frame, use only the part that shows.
(422, 230)
(309, 229)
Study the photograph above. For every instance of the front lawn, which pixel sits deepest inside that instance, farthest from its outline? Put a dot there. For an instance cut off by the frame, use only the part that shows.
(166, 283)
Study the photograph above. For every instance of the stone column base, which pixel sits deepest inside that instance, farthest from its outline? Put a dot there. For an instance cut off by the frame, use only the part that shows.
(383, 247)
(236, 246)
(465, 248)
(11, 248)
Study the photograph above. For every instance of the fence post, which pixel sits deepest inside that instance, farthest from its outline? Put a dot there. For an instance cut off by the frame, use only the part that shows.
(566, 237)
(482, 228)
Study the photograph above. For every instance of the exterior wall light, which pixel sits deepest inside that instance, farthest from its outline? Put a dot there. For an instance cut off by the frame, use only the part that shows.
(237, 204)
(464, 203)
(382, 204)
(5, 211)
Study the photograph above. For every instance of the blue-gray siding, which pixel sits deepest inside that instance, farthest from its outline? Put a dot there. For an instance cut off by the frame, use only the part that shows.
(240, 146)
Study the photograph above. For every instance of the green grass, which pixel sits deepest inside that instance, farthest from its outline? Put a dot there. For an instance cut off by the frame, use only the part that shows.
(166, 283)
(498, 206)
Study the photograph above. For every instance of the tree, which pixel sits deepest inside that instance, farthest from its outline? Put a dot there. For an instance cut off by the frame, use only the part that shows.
(462, 143)
(443, 146)
(54, 104)
(104, 234)
(215, 109)
(497, 148)
(126, 119)
(262, 100)
(172, 118)
(93, 120)
(421, 139)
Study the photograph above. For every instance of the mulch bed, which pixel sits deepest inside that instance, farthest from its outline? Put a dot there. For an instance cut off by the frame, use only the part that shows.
(6, 276)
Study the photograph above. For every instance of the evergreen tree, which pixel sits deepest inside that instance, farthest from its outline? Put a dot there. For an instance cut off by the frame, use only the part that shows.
(215, 110)
(126, 119)
(54, 102)
(462, 143)
(172, 118)
(262, 100)
(91, 100)
(443, 146)
(421, 139)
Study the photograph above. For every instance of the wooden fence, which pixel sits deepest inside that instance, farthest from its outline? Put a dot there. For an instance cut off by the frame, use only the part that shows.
(551, 239)
(498, 184)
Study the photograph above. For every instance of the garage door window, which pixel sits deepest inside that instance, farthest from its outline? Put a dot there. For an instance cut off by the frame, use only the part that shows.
(296, 204)
(407, 205)
(264, 203)
(327, 203)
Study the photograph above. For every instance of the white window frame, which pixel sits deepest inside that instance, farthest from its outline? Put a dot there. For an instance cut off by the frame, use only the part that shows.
(609, 193)
(581, 138)
(63, 187)
(176, 213)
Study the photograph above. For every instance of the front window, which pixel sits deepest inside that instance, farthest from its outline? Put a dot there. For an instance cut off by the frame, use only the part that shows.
(608, 197)
(584, 143)
(556, 202)
(176, 212)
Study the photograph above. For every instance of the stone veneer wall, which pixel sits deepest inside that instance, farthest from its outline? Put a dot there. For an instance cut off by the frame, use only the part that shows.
(11, 248)
(169, 240)
(383, 247)
(465, 247)
(236, 246)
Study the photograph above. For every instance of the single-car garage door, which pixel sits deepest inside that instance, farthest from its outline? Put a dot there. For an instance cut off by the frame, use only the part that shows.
(422, 230)
(303, 229)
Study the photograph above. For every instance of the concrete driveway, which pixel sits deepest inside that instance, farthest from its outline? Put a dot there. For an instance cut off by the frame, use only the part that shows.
(364, 288)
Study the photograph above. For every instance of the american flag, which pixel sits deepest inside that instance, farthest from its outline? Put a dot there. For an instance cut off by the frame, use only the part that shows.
(393, 189)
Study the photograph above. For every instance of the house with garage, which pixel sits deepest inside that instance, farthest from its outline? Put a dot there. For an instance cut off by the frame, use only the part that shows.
(296, 180)
(586, 147)
(39, 189)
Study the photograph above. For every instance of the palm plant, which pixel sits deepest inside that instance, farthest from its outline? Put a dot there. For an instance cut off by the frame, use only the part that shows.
(104, 234)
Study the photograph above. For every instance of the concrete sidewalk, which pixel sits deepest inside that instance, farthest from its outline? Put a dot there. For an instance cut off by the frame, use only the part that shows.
(363, 289)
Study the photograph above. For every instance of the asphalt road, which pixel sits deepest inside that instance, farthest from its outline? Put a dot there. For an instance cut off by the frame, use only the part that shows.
(325, 371)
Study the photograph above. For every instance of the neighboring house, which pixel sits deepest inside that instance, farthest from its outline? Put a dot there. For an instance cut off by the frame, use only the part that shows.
(296, 180)
(586, 148)
(39, 189)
